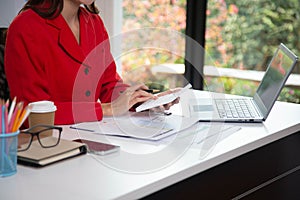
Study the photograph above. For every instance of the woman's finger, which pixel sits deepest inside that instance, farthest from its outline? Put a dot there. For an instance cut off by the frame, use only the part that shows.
(142, 93)
(140, 96)
(138, 100)
(138, 87)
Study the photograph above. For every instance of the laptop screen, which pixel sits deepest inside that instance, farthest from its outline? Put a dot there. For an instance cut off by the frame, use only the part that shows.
(275, 77)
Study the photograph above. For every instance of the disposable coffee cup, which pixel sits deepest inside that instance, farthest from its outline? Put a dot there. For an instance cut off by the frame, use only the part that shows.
(42, 113)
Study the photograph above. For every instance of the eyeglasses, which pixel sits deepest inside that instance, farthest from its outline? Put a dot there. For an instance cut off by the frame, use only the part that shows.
(42, 132)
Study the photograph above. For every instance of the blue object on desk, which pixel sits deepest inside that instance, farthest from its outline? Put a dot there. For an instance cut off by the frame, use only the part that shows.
(8, 153)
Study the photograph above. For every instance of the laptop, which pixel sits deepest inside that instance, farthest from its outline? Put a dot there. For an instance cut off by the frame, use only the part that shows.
(247, 109)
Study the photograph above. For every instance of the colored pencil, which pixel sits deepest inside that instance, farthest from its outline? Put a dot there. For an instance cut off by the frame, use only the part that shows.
(6, 116)
(3, 141)
(11, 123)
(24, 115)
(3, 118)
(12, 117)
(18, 110)
(11, 109)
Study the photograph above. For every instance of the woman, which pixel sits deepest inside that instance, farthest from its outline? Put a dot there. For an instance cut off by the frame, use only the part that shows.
(58, 50)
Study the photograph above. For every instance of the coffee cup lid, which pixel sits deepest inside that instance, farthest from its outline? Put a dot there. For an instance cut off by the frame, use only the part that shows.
(43, 106)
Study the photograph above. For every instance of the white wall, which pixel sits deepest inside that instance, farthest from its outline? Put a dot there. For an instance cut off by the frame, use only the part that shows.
(112, 15)
(8, 10)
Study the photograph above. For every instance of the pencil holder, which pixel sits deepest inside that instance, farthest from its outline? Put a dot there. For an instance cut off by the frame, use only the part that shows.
(8, 153)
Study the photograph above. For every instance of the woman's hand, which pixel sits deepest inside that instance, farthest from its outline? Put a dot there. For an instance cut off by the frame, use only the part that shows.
(127, 99)
(167, 106)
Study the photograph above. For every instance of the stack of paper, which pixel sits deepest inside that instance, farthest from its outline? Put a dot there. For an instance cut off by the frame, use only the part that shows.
(139, 126)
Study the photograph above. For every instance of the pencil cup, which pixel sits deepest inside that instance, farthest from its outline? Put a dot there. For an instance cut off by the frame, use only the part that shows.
(8, 153)
(43, 112)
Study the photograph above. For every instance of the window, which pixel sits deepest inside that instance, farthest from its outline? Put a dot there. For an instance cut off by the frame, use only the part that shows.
(243, 35)
(152, 36)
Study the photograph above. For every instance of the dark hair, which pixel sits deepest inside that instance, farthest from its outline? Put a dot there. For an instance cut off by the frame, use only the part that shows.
(3, 31)
(52, 8)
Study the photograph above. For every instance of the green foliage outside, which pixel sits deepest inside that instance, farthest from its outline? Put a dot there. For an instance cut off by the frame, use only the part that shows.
(246, 88)
(160, 15)
(245, 35)
(240, 34)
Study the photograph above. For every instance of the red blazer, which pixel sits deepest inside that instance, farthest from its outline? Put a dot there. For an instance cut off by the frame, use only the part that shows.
(43, 61)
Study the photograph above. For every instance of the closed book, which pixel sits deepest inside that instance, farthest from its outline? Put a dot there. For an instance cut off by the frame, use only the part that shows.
(38, 156)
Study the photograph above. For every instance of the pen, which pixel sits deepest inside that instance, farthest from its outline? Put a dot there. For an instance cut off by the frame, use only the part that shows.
(82, 129)
(152, 91)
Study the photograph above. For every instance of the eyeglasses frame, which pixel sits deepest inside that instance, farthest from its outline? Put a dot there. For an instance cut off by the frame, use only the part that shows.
(47, 127)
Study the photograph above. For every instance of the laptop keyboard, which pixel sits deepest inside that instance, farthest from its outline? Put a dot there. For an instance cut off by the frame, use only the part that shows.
(235, 108)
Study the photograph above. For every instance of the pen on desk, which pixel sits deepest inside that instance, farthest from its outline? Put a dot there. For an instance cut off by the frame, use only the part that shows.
(81, 129)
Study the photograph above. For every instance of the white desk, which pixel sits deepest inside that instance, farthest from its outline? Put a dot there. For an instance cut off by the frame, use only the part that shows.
(141, 169)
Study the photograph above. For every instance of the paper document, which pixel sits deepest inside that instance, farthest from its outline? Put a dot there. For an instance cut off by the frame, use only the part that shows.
(162, 99)
(139, 126)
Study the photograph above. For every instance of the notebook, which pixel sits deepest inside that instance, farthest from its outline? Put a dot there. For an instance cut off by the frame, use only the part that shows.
(259, 106)
(38, 156)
